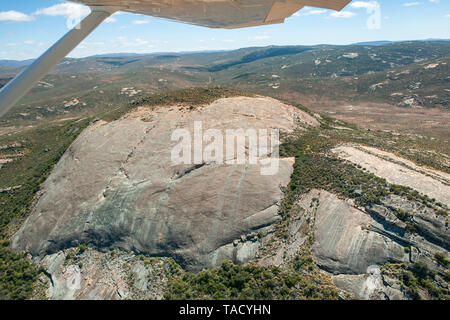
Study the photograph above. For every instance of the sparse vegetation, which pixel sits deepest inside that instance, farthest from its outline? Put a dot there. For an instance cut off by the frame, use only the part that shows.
(442, 259)
(231, 281)
(417, 280)
(17, 274)
(42, 147)
(185, 97)
(316, 167)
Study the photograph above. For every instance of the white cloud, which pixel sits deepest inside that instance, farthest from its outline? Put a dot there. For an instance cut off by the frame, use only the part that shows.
(140, 21)
(411, 4)
(309, 12)
(90, 44)
(141, 42)
(68, 10)
(447, 15)
(113, 18)
(261, 37)
(364, 4)
(14, 16)
(17, 44)
(434, 1)
(342, 14)
(314, 12)
(110, 20)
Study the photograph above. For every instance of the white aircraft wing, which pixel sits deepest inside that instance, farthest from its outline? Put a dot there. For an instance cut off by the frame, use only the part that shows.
(219, 13)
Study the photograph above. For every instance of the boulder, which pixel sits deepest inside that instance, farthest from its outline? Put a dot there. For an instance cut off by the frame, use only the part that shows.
(117, 187)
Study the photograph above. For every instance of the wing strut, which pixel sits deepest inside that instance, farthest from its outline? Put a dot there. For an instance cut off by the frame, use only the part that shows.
(11, 93)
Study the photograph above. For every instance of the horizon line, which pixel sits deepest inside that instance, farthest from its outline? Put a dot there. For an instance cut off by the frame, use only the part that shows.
(182, 52)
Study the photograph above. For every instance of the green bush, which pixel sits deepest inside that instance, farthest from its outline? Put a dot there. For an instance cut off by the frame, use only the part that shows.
(231, 281)
(442, 259)
(17, 274)
(43, 147)
(403, 215)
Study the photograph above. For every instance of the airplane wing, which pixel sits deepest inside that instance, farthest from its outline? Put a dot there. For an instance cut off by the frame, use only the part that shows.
(219, 13)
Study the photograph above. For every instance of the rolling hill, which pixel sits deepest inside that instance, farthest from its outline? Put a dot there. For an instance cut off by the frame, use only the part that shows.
(408, 76)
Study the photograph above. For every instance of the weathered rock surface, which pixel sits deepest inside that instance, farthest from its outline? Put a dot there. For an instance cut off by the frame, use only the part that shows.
(372, 285)
(348, 240)
(94, 275)
(352, 243)
(116, 187)
(400, 171)
(432, 226)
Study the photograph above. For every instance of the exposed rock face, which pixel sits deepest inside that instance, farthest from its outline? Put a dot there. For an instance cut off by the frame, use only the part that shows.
(396, 170)
(430, 225)
(352, 243)
(116, 187)
(93, 275)
(372, 285)
(345, 237)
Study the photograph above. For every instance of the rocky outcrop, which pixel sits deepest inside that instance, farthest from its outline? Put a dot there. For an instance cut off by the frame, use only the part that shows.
(93, 275)
(346, 239)
(399, 171)
(352, 243)
(434, 227)
(372, 285)
(116, 187)
(117, 194)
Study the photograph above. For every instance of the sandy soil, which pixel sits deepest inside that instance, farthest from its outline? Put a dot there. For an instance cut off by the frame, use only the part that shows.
(376, 116)
(431, 122)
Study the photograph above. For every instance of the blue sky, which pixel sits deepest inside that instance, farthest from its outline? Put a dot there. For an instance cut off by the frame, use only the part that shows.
(29, 27)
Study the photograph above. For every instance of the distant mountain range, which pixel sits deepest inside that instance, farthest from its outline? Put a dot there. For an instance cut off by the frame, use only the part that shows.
(384, 42)
(373, 43)
(22, 63)
(15, 63)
